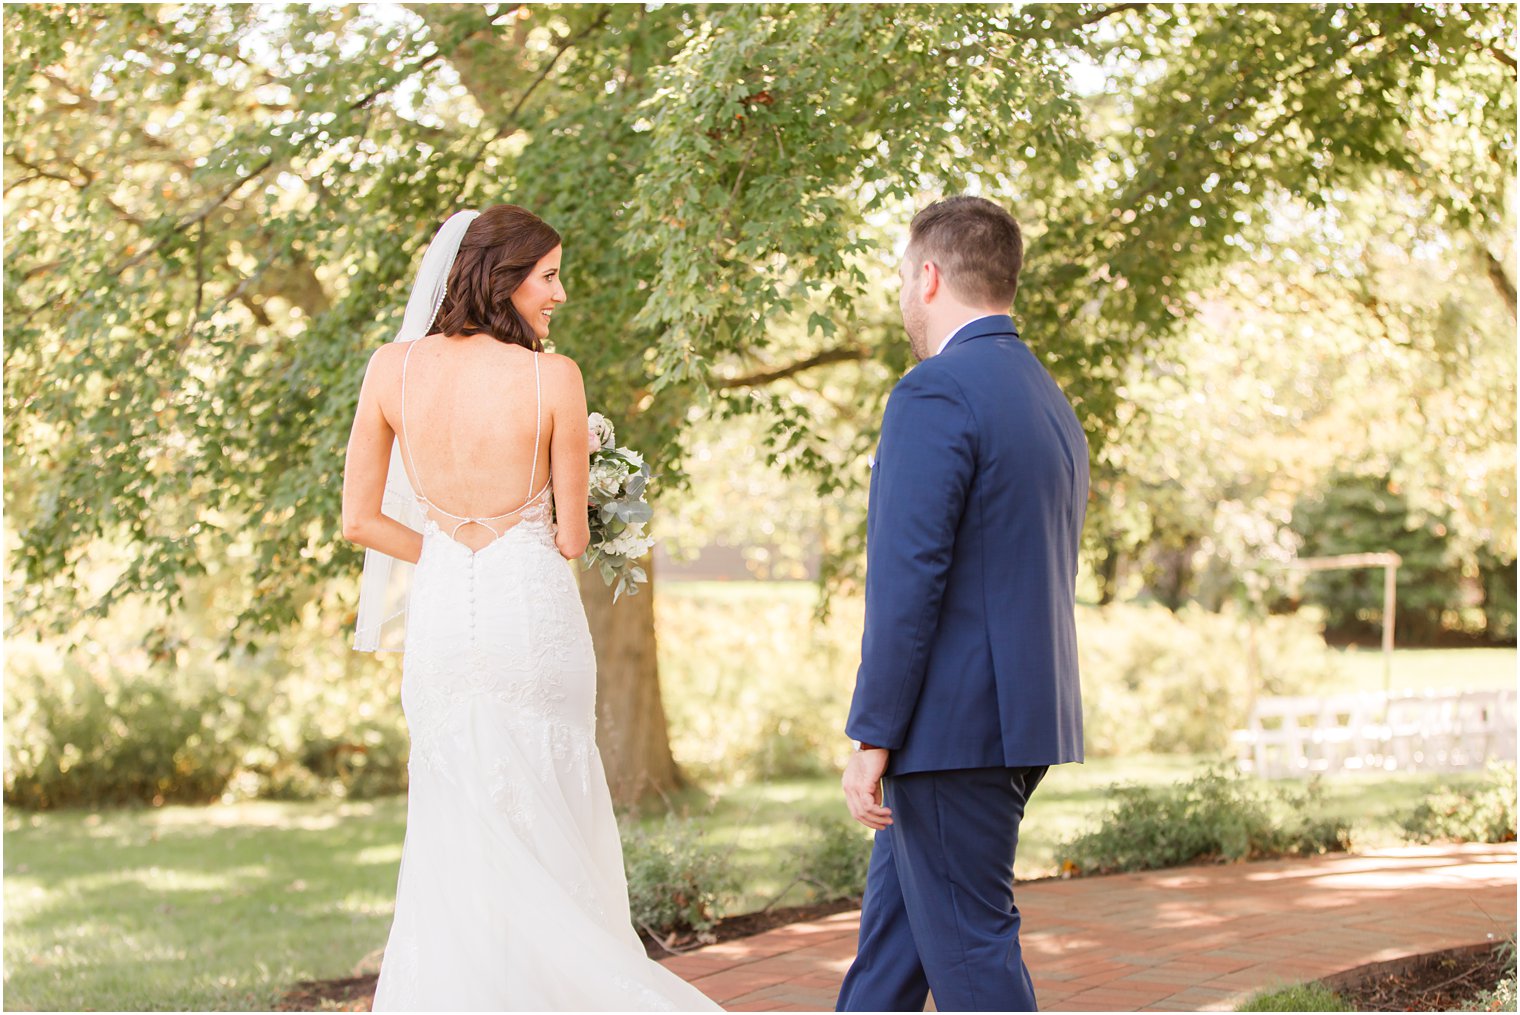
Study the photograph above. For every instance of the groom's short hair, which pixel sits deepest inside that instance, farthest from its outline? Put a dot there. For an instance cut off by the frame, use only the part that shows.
(975, 243)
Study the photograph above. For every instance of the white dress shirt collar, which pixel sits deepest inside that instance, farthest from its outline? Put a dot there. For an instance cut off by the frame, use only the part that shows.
(962, 328)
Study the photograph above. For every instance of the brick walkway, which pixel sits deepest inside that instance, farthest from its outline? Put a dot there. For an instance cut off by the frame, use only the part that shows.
(1187, 939)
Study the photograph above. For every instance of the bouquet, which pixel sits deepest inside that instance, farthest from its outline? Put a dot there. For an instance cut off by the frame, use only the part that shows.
(617, 510)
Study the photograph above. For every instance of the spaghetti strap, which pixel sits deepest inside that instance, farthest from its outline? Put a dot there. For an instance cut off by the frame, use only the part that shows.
(538, 424)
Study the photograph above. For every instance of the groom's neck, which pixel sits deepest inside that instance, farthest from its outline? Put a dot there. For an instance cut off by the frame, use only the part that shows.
(945, 324)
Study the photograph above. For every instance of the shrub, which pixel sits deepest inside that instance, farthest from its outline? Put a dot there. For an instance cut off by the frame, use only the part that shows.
(74, 738)
(369, 760)
(191, 728)
(1217, 815)
(1487, 815)
(675, 881)
(757, 688)
(836, 858)
(1502, 996)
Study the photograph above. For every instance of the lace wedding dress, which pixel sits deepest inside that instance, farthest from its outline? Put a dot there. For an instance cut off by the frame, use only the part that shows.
(511, 894)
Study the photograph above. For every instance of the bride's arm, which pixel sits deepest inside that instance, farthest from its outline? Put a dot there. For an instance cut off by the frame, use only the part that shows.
(569, 460)
(369, 458)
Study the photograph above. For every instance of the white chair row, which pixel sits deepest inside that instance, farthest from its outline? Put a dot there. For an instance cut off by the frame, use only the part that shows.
(1431, 730)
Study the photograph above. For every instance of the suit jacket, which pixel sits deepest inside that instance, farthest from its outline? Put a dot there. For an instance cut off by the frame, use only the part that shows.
(978, 493)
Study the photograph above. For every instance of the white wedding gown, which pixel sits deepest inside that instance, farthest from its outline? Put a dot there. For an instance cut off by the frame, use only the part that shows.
(511, 894)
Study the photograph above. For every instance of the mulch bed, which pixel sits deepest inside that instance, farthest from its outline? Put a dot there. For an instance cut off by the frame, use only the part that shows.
(1437, 981)
(357, 993)
(733, 927)
(352, 993)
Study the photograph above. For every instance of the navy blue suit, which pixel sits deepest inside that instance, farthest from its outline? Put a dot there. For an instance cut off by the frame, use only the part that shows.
(968, 668)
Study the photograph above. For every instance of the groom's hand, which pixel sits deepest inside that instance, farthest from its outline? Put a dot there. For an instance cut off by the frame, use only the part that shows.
(862, 788)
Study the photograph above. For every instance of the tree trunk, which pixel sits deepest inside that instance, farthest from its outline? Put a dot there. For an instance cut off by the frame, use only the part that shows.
(1108, 572)
(630, 717)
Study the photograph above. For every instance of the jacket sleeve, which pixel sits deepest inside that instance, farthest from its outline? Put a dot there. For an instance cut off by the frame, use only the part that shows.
(925, 463)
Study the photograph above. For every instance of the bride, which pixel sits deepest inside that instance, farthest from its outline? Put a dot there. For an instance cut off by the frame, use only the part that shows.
(511, 893)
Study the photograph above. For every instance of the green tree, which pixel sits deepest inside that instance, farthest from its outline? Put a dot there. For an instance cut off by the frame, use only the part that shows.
(215, 210)
(218, 209)
(1355, 513)
(1366, 337)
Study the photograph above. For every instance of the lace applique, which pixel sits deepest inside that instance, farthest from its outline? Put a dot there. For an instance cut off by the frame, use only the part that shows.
(427, 710)
(397, 985)
(538, 696)
(536, 523)
(509, 794)
(586, 896)
(641, 997)
(581, 751)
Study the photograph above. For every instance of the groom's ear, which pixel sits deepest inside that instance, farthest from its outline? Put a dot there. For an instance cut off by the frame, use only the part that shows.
(931, 281)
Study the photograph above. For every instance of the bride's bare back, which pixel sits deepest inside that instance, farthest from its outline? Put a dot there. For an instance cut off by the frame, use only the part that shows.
(471, 420)
(482, 422)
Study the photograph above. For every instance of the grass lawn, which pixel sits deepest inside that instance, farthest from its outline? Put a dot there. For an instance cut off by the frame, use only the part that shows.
(211, 908)
(1420, 669)
(224, 907)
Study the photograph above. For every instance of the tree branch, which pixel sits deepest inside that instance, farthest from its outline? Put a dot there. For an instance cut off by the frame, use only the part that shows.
(1107, 12)
(506, 127)
(490, 60)
(86, 102)
(38, 172)
(200, 216)
(844, 354)
(1503, 284)
(253, 174)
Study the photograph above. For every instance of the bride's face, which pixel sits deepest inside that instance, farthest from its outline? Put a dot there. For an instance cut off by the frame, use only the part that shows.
(539, 293)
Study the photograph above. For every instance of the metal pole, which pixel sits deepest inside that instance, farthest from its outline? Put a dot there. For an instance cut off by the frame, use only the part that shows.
(1390, 592)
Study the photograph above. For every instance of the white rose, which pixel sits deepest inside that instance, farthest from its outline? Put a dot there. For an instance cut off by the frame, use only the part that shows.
(599, 431)
(631, 543)
(607, 479)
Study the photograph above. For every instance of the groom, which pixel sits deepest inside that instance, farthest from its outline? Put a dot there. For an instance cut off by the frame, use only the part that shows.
(967, 690)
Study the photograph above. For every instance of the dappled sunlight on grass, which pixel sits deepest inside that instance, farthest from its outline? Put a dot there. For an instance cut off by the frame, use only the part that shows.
(217, 908)
(150, 909)
(265, 814)
(159, 879)
(379, 854)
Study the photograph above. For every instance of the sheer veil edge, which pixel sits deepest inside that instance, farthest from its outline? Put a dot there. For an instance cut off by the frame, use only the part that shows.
(385, 585)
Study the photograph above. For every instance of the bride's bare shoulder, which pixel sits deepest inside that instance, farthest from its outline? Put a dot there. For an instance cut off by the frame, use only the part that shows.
(386, 360)
(561, 369)
(383, 371)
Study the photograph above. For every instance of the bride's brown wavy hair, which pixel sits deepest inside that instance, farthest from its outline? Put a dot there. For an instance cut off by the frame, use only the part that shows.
(498, 251)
